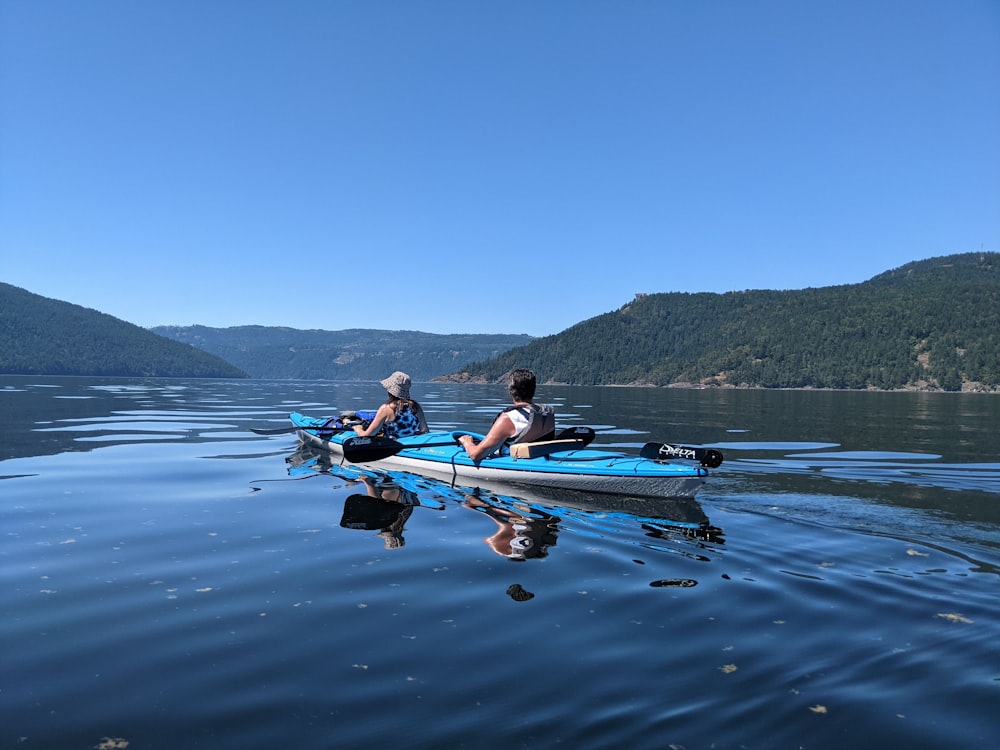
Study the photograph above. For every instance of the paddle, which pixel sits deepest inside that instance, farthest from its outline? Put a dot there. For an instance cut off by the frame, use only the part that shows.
(708, 457)
(325, 428)
(360, 450)
(275, 431)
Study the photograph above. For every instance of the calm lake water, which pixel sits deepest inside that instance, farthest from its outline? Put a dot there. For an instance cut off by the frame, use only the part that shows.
(170, 579)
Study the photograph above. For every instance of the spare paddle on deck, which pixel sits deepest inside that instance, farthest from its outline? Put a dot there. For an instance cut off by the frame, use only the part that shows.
(361, 450)
(580, 432)
(707, 457)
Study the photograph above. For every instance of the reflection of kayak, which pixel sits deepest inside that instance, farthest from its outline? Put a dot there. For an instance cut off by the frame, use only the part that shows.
(662, 518)
(437, 454)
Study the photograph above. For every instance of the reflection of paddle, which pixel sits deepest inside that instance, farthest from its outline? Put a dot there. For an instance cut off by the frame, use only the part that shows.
(360, 450)
(370, 513)
(708, 457)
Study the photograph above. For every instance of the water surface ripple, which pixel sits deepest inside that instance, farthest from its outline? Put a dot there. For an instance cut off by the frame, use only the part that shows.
(170, 579)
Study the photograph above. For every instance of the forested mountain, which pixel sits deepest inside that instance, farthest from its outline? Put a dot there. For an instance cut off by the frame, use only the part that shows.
(43, 336)
(354, 354)
(929, 324)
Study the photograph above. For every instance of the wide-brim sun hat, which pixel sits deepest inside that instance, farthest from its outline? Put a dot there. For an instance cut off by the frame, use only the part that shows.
(398, 384)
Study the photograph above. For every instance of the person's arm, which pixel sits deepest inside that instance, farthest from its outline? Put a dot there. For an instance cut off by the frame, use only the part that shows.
(502, 429)
(384, 413)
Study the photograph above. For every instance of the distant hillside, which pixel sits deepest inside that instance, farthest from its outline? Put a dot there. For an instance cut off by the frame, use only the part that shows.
(929, 324)
(355, 354)
(43, 336)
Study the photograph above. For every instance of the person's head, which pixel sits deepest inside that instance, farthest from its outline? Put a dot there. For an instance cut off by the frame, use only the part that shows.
(522, 385)
(392, 539)
(398, 385)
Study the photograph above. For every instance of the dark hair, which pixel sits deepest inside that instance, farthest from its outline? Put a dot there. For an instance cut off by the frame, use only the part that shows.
(522, 385)
(398, 403)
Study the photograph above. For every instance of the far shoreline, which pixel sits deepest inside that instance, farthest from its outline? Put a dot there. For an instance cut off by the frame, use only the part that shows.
(967, 387)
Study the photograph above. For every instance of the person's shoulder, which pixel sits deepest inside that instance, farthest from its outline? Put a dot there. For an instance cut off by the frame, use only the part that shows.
(505, 420)
(542, 408)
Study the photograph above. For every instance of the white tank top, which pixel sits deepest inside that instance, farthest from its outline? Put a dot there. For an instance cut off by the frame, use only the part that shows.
(520, 421)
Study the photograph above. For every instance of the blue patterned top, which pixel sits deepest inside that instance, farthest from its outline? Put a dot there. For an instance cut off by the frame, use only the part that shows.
(405, 424)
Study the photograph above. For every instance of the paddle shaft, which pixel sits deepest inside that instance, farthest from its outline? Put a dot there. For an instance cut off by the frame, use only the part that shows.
(289, 430)
(295, 428)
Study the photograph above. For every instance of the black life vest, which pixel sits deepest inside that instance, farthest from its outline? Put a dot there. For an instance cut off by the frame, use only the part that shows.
(541, 422)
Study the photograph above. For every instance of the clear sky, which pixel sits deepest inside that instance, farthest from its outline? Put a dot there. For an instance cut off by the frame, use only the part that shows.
(479, 166)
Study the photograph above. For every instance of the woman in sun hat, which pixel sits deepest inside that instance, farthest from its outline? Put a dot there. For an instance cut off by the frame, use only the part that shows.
(400, 415)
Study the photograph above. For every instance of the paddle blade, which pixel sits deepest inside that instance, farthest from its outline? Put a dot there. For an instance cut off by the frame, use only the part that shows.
(707, 457)
(362, 450)
(712, 459)
(580, 432)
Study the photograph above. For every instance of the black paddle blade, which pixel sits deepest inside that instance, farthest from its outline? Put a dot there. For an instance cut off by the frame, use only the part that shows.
(361, 450)
(707, 457)
(580, 432)
(712, 459)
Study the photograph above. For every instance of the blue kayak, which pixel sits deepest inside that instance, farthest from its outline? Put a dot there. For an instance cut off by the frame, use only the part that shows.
(559, 464)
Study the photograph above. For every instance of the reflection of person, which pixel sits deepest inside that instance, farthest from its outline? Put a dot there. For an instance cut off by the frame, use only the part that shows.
(524, 422)
(519, 536)
(387, 507)
(400, 415)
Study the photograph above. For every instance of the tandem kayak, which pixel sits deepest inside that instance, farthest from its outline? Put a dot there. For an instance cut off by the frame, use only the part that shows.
(561, 464)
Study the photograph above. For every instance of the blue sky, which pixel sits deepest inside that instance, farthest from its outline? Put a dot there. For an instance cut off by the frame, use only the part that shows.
(472, 167)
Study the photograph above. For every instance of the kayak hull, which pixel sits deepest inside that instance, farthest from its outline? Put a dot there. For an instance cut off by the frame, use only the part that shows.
(438, 455)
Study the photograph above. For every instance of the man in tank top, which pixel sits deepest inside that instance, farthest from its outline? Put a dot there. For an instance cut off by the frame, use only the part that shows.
(523, 422)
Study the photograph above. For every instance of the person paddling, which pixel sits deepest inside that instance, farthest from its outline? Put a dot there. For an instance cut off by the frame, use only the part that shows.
(400, 416)
(524, 422)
